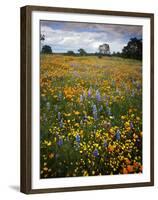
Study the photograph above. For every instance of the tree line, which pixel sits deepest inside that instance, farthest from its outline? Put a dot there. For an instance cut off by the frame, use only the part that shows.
(132, 50)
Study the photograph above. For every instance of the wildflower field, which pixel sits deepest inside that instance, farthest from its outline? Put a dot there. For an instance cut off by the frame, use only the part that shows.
(90, 116)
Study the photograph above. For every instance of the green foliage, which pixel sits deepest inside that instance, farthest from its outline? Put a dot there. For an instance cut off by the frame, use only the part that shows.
(46, 49)
(133, 49)
(70, 53)
(82, 52)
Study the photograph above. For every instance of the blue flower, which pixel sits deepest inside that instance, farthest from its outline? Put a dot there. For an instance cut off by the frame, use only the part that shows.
(101, 108)
(95, 112)
(94, 108)
(77, 138)
(61, 123)
(118, 135)
(59, 115)
(98, 97)
(60, 142)
(105, 144)
(138, 86)
(89, 92)
(95, 116)
(138, 143)
(96, 153)
(131, 125)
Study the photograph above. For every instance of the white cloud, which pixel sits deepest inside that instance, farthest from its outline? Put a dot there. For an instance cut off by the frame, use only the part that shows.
(66, 38)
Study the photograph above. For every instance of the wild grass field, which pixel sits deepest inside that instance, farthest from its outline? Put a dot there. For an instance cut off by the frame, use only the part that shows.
(90, 116)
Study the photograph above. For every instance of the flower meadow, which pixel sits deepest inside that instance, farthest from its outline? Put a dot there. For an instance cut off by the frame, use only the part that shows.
(90, 116)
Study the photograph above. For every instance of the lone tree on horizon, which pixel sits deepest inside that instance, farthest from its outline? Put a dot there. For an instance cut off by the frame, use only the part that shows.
(82, 52)
(70, 53)
(46, 49)
(104, 49)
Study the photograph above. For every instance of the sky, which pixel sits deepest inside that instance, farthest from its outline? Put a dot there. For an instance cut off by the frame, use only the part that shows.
(66, 36)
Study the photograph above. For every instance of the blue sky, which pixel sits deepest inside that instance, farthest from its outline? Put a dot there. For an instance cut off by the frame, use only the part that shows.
(64, 36)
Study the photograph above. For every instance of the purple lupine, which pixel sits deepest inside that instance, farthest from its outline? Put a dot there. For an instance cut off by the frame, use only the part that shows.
(95, 115)
(138, 143)
(59, 116)
(118, 135)
(96, 153)
(98, 97)
(101, 108)
(60, 142)
(61, 123)
(94, 108)
(105, 143)
(139, 86)
(89, 92)
(77, 138)
(131, 125)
